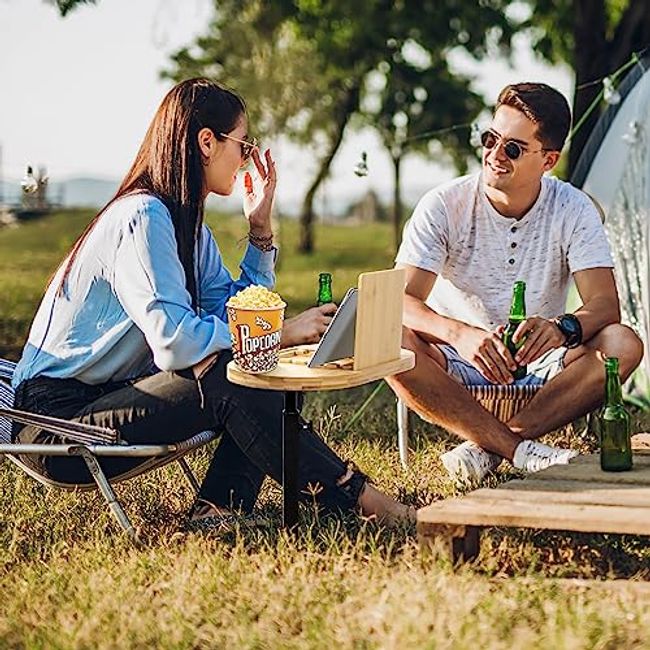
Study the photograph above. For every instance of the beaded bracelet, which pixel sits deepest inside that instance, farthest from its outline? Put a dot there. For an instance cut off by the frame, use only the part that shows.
(265, 244)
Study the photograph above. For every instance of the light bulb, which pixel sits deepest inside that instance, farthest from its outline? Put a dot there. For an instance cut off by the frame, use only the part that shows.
(361, 168)
(610, 94)
(475, 136)
(29, 184)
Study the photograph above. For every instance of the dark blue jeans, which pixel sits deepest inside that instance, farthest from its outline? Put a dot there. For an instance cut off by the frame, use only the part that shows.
(168, 407)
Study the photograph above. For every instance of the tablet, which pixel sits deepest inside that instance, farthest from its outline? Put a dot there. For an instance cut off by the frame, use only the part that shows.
(338, 340)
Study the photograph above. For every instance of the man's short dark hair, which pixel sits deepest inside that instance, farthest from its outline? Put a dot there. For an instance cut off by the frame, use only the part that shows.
(544, 106)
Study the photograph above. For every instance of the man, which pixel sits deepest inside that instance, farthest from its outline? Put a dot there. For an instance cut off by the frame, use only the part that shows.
(466, 244)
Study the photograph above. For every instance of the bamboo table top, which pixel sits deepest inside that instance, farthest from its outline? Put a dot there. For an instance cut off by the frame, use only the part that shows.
(292, 373)
(577, 497)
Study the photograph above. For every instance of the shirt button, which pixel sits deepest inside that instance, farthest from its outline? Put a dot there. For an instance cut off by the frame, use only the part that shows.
(513, 245)
(513, 229)
(511, 260)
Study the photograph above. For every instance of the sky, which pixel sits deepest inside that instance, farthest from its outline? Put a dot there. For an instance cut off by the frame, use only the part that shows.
(77, 94)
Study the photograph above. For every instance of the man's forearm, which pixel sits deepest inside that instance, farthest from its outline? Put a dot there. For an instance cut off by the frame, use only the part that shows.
(596, 314)
(430, 325)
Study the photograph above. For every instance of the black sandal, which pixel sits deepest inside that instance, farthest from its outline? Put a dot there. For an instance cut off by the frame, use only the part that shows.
(222, 522)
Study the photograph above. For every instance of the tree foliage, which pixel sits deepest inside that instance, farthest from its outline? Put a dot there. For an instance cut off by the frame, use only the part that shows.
(595, 37)
(419, 110)
(304, 66)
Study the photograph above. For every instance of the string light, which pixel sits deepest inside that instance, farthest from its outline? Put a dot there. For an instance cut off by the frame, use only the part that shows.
(610, 94)
(475, 135)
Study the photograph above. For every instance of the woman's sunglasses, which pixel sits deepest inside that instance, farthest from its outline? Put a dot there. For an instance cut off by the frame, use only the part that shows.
(512, 149)
(247, 146)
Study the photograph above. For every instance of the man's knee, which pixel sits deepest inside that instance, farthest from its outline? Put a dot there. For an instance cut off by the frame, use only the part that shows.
(424, 351)
(620, 341)
(410, 340)
(427, 358)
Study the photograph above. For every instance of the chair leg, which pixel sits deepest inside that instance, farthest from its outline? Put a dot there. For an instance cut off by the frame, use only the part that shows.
(108, 493)
(403, 432)
(189, 475)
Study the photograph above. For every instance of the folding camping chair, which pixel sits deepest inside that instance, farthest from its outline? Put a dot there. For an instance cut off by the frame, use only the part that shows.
(90, 442)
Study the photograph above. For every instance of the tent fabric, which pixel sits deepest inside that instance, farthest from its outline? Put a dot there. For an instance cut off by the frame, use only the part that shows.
(614, 168)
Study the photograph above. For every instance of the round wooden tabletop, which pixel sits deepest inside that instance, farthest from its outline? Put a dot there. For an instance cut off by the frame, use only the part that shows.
(293, 374)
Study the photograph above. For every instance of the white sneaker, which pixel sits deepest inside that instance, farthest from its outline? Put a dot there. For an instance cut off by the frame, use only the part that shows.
(469, 463)
(532, 456)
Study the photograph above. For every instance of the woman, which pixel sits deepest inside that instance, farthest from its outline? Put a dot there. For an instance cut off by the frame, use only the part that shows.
(137, 311)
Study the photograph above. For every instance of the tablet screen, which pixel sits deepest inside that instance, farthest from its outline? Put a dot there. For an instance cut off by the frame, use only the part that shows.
(338, 340)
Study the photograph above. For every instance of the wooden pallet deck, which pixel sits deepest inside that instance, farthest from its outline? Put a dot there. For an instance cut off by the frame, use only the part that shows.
(575, 497)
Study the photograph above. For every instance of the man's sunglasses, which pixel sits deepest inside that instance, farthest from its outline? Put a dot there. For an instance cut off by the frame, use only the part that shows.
(247, 146)
(512, 149)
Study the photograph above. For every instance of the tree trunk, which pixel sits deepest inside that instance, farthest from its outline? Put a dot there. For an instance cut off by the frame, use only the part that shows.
(397, 202)
(346, 109)
(591, 62)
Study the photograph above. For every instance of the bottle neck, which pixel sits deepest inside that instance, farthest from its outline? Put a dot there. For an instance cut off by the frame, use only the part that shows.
(324, 291)
(613, 392)
(518, 306)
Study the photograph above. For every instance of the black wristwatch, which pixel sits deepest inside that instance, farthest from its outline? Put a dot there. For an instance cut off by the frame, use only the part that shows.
(570, 326)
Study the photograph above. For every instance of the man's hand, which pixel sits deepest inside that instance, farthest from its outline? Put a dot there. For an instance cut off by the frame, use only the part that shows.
(486, 351)
(307, 327)
(540, 334)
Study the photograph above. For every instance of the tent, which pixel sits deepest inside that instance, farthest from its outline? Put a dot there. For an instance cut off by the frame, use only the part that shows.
(614, 168)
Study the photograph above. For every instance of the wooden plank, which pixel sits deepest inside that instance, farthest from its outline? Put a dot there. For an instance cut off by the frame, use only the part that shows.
(603, 494)
(460, 543)
(587, 468)
(641, 442)
(551, 516)
(378, 328)
(298, 377)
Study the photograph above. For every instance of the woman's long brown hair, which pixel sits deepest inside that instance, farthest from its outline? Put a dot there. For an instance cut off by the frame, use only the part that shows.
(169, 165)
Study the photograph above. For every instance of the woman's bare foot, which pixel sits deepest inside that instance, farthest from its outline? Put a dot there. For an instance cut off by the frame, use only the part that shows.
(203, 509)
(387, 511)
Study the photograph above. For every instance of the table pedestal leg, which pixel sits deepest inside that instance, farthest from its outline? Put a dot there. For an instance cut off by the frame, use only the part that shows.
(290, 458)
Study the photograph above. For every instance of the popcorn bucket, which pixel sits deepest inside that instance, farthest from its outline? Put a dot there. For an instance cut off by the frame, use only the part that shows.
(255, 333)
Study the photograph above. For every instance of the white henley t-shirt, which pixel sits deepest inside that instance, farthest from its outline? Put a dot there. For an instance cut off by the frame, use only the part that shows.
(478, 253)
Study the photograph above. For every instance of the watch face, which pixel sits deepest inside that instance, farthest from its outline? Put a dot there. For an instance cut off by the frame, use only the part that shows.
(570, 327)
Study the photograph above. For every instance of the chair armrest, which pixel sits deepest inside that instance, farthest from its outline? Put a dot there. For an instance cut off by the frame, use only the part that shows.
(76, 431)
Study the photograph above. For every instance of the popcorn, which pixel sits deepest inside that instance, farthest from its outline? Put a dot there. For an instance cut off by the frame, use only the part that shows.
(255, 319)
(255, 296)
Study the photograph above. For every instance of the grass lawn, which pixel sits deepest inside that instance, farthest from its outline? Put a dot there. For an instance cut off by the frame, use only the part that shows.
(69, 580)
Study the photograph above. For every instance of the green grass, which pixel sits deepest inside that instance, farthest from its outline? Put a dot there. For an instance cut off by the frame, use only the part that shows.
(69, 580)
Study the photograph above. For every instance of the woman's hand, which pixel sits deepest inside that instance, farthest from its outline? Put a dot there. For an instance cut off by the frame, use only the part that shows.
(258, 202)
(307, 327)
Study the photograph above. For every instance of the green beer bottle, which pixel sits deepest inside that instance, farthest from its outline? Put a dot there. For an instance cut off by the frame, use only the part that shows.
(517, 316)
(614, 424)
(324, 289)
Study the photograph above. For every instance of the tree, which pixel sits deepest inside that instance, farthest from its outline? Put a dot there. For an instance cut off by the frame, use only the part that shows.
(596, 37)
(377, 38)
(289, 87)
(415, 103)
(329, 49)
